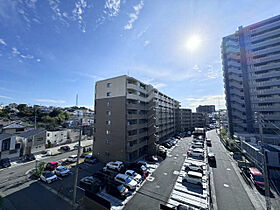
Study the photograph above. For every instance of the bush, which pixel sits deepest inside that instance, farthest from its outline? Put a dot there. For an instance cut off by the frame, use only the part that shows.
(40, 169)
(1, 203)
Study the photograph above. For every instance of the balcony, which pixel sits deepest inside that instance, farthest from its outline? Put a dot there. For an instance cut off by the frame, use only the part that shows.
(132, 127)
(264, 43)
(132, 116)
(235, 77)
(267, 67)
(272, 82)
(266, 75)
(269, 91)
(265, 27)
(268, 58)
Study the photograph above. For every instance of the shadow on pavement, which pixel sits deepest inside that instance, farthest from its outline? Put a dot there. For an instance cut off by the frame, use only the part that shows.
(193, 187)
(36, 197)
(213, 164)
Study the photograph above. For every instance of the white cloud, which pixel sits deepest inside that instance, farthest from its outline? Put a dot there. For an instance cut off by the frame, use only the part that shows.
(140, 34)
(193, 102)
(78, 12)
(112, 7)
(51, 101)
(38, 60)
(5, 97)
(3, 42)
(134, 16)
(15, 51)
(27, 56)
(147, 42)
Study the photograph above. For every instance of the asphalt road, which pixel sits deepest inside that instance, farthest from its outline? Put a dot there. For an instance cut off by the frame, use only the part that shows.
(155, 192)
(21, 192)
(230, 193)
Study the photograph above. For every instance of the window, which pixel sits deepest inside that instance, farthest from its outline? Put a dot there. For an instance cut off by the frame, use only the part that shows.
(109, 85)
(108, 122)
(107, 132)
(107, 141)
(108, 103)
(108, 93)
(108, 113)
(6, 144)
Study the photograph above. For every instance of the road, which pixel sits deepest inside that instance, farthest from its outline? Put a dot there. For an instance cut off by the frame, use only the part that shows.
(230, 192)
(21, 192)
(158, 190)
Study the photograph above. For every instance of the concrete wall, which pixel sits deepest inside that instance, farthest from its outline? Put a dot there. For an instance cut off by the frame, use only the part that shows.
(115, 148)
(118, 87)
(56, 137)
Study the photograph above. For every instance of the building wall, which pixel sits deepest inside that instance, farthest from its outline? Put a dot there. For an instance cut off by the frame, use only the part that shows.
(251, 66)
(12, 152)
(140, 115)
(56, 137)
(206, 108)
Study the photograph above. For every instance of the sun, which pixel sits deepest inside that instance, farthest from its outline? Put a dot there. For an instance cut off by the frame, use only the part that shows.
(193, 43)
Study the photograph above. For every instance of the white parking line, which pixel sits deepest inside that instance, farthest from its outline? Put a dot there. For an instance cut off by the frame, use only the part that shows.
(165, 173)
(150, 178)
(228, 169)
(59, 178)
(176, 172)
(80, 188)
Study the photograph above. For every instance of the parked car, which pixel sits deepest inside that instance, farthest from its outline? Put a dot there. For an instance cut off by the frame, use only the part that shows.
(134, 175)
(211, 156)
(167, 145)
(127, 181)
(52, 165)
(117, 190)
(198, 145)
(117, 165)
(152, 158)
(208, 142)
(143, 163)
(162, 153)
(257, 178)
(65, 148)
(72, 158)
(29, 157)
(190, 166)
(48, 177)
(196, 153)
(193, 177)
(92, 184)
(5, 163)
(90, 159)
(140, 169)
(62, 171)
(105, 175)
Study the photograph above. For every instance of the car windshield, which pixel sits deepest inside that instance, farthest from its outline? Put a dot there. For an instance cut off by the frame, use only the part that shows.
(258, 178)
(63, 169)
(121, 188)
(48, 175)
(143, 168)
(128, 179)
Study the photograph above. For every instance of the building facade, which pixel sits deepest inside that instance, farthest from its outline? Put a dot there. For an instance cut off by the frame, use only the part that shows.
(130, 117)
(184, 120)
(198, 120)
(206, 109)
(9, 147)
(251, 69)
(55, 138)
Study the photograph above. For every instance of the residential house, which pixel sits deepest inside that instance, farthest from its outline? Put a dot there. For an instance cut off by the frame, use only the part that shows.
(9, 148)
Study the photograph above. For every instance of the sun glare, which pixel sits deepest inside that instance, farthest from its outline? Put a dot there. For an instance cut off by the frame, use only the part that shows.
(193, 43)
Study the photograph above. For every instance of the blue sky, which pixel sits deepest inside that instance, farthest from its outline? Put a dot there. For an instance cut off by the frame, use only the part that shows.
(52, 50)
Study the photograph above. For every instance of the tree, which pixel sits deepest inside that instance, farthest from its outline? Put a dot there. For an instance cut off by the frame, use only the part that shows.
(55, 113)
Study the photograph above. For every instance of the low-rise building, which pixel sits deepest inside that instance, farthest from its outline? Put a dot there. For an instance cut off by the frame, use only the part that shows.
(9, 148)
(57, 137)
(206, 109)
(14, 128)
(184, 120)
(32, 141)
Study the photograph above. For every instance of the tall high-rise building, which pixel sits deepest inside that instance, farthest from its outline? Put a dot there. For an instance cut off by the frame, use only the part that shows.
(130, 117)
(251, 68)
(206, 109)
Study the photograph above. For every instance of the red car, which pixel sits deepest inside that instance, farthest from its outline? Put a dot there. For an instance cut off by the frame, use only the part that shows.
(51, 165)
(257, 177)
(152, 158)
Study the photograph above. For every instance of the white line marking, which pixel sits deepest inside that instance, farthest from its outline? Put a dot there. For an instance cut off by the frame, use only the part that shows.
(228, 169)
(165, 173)
(226, 185)
(150, 178)
(176, 172)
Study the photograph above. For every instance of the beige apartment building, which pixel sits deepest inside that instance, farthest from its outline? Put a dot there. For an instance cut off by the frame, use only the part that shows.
(130, 117)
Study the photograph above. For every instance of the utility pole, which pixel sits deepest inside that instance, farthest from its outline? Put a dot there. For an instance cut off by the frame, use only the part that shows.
(77, 163)
(35, 120)
(265, 173)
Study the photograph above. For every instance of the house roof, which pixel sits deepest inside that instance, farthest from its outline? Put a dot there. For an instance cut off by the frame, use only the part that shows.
(31, 133)
(5, 135)
(14, 125)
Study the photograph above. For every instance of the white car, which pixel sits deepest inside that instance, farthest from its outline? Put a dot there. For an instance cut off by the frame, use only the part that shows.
(127, 181)
(192, 166)
(196, 153)
(193, 177)
(72, 158)
(134, 175)
(198, 145)
(48, 177)
(117, 165)
(62, 171)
